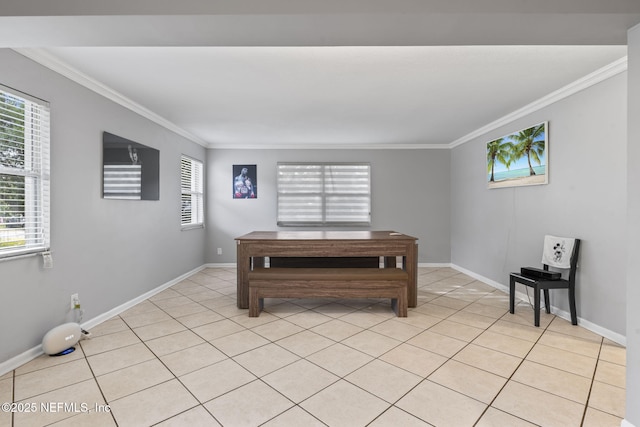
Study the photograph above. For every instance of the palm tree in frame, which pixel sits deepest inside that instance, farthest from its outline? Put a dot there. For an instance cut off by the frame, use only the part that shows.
(530, 142)
(498, 150)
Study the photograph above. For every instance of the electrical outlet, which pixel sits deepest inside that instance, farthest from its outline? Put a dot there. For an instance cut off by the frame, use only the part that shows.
(75, 301)
(219, 251)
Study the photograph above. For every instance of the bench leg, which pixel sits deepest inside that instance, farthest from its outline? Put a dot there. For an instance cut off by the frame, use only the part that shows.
(254, 303)
(402, 308)
(401, 303)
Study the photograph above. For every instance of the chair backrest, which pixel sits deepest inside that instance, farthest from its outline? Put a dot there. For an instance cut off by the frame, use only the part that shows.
(573, 261)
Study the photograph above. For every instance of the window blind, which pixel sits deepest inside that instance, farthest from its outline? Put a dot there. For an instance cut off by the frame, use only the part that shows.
(324, 194)
(24, 174)
(191, 183)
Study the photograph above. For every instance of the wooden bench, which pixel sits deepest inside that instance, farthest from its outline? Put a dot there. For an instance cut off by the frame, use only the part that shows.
(328, 282)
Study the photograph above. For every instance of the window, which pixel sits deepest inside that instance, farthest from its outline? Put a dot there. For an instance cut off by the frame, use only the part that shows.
(324, 194)
(192, 203)
(24, 174)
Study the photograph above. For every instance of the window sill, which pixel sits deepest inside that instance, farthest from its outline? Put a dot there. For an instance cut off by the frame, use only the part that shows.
(21, 254)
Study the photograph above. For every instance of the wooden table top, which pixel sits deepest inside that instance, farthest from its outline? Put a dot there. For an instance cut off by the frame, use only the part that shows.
(325, 235)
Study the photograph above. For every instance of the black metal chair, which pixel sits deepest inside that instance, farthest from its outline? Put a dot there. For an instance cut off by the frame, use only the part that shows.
(538, 283)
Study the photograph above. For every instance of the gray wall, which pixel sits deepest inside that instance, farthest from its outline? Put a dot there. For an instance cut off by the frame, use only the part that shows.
(633, 233)
(498, 231)
(113, 251)
(410, 194)
(107, 251)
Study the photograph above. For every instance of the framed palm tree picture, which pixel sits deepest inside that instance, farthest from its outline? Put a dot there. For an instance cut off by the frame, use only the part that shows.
(518, 159)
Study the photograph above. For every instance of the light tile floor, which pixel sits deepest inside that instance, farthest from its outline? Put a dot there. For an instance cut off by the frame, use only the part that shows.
(188, 356)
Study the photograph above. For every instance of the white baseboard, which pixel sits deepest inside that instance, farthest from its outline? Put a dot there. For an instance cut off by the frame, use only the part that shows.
(27, 356)
(36, 351)
(127, 305)
(626, 423)
(613, 336)
(21, 359)
(434, 264)
(220, 265)
(486, 280)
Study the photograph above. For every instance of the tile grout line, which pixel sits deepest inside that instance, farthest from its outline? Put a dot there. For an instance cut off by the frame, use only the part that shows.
(510, 379)
(95, 379)
(334, 341)
(156, 357)
(593, 378)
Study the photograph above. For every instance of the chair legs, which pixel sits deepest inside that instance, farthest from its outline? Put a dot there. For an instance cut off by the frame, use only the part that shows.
(547, 302)
(536, 305)
(512, 294)
(536, 300)
(572, 306)
(547, 305)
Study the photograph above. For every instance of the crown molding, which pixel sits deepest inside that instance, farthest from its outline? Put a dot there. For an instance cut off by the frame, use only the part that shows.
(585, 82)
(320, 146)
(44, 58)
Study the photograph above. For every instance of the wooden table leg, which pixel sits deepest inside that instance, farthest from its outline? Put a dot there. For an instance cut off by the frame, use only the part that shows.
(410, 265)
(242, 266)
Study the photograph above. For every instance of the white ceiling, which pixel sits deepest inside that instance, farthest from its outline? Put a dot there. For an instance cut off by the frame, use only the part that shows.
(277, 82)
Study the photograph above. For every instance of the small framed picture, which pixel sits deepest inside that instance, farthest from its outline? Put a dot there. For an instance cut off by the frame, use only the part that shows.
(245, 182)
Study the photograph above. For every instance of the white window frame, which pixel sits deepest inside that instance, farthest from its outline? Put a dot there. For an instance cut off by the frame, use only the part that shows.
(192, 193)
(324, 194)
(34, 168)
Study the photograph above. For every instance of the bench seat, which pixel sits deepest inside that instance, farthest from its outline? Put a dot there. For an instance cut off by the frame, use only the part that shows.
(328, 282)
